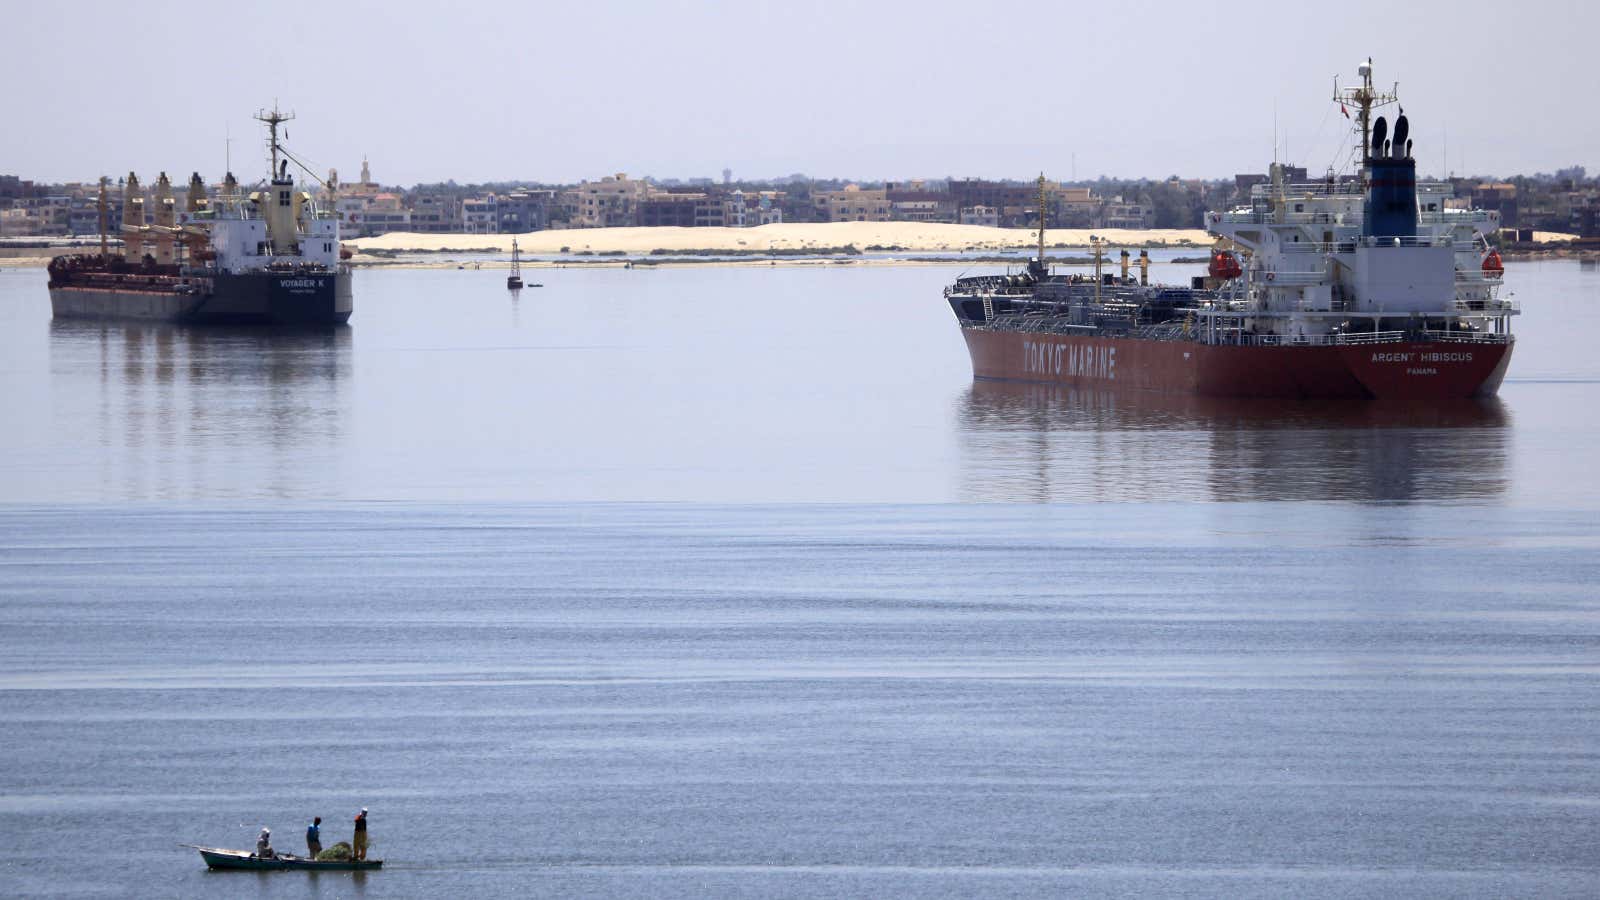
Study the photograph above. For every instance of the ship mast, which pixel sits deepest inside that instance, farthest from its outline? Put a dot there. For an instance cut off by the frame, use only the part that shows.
(1041, 220)
(273, 120)
(1365, 99)
(100, 205)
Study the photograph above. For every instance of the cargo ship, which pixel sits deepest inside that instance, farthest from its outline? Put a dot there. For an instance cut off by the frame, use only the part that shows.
(263, 256)
(1368, 287)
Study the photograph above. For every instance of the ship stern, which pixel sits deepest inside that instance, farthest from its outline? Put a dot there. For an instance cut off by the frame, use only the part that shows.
(279, 298)
(1429, 371)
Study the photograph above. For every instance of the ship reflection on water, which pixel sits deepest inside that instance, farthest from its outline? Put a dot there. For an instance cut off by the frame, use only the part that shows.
(1045, 443)
(208, 411)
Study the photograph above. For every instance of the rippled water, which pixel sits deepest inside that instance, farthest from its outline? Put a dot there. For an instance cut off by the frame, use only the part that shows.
(423, 565)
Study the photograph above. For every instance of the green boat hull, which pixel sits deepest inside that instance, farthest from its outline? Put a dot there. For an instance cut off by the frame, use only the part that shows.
(217, 858)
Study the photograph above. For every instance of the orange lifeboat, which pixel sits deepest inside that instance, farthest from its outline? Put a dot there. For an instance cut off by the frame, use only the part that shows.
(1492, 266)
(1224, 265)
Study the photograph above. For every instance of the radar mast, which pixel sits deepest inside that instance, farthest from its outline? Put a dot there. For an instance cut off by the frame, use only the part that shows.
(1041, 221)
(1365, 99)
(273, 119)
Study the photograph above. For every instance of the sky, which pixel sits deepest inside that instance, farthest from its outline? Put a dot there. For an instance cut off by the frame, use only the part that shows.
(558, 92)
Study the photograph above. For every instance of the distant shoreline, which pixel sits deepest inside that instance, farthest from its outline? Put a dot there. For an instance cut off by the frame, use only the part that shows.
(430, 261)
(790, 239)
(811, 243)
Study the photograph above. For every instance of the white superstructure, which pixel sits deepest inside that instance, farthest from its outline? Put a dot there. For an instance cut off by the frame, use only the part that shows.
(1328, 261)
(274, 227)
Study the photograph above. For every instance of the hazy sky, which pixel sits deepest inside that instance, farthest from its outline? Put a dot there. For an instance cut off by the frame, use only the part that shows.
(480, 91)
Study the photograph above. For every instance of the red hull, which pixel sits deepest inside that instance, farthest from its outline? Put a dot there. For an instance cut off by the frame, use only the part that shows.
(1401, 371)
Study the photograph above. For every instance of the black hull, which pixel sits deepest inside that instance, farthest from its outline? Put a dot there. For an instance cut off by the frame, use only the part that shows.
(257, 298)
(266, 299)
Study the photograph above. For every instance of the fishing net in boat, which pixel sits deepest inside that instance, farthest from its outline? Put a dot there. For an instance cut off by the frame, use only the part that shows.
(339, 852)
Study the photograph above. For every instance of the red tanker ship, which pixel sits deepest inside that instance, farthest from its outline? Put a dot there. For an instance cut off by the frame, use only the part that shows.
(1370, 287)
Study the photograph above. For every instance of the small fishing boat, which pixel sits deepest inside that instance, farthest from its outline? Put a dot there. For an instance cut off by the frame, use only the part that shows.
(218, 858)
(514, 281)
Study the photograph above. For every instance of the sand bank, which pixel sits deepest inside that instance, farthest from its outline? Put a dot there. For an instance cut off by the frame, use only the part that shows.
(912, 236)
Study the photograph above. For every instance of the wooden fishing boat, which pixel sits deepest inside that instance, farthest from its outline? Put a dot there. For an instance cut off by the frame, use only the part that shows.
(218, 858)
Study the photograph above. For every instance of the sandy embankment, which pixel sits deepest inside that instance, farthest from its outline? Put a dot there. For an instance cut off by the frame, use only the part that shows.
(908, 236)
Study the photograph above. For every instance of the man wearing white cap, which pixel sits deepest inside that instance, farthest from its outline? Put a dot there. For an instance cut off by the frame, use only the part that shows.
(264, 844)
(359, 845)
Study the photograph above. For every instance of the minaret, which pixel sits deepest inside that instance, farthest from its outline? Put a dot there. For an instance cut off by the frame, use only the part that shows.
(366, 173)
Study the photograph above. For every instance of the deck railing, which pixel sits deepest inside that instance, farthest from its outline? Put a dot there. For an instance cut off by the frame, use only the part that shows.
(1466, 337)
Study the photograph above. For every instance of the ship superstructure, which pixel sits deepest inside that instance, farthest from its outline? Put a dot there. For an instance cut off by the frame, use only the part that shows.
(264, 255)
(1364, 287)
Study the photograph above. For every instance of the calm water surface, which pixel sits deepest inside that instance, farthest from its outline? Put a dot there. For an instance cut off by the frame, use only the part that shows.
(730, 581)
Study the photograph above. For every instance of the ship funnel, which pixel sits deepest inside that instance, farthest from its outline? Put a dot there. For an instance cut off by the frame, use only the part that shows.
(1391, 203)
(1380, 131)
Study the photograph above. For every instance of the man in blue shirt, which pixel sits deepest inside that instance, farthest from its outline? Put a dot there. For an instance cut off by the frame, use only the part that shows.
(314, 837)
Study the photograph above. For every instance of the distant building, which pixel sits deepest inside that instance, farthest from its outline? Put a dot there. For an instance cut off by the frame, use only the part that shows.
(702, 209)
(434, 213)
(480, 215)
(911, 201)
(1498, 196)
(14, 188)
(853, 204)
(366, 187)
(46, 215)
(1117, 213)
(13, 222)
(669, 209)
(524, 211)
(380, 214)
(1013, 204)
(710, 211)
(84, 218)
(608, 203)
(1584, 220)
(753, 210)
(1243, 183)
(980, 215)
(1074, 207)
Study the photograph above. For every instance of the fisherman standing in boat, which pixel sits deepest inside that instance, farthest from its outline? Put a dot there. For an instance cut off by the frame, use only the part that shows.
(358, 846)
(314, 837)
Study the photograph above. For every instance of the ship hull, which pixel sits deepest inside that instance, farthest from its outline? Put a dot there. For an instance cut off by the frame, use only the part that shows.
(244, 299)
(1398, 371)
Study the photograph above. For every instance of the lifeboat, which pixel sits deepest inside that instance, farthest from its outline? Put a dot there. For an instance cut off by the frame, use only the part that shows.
(1224, 265)
(1492, 266)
